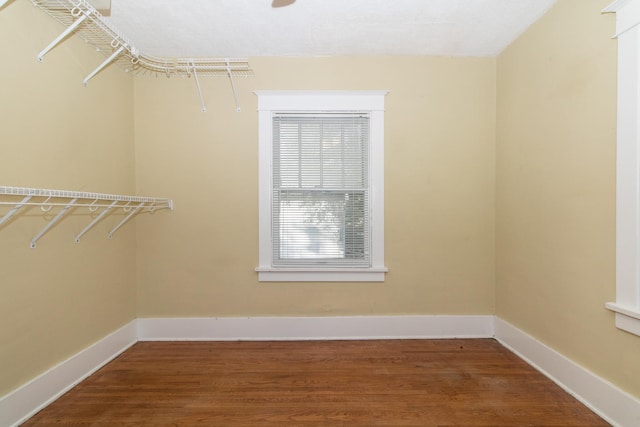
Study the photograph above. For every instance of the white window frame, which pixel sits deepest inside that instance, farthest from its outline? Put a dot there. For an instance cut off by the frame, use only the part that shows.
(627, 304)
(371, 102)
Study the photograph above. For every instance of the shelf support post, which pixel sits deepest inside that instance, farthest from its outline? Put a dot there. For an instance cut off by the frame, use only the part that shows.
(104, 64)
(233, 88)
(62, 35)
(195, 76)
(9, 214)
(127, 218)
(95, 221)
(50, 224)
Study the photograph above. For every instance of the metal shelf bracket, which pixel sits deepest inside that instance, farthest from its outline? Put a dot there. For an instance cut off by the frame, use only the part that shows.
(51, 223)
(62, 35)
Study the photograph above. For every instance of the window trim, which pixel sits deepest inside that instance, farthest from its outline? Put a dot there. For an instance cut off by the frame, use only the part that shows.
(627, 304)
(371, 102)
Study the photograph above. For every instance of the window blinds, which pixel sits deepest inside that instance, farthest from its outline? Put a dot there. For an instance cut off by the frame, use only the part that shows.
(320, 196)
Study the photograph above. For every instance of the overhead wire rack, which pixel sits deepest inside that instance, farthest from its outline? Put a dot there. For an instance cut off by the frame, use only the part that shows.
(82, 19)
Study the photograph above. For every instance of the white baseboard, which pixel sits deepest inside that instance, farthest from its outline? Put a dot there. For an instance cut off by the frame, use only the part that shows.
(314, 328)
(608, 401)
(22, 403)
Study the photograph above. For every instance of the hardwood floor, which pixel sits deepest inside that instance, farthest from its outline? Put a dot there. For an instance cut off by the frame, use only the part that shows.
(443, 383)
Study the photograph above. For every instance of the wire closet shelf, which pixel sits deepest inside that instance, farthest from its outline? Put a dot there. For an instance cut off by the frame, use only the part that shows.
(47, 199)
(107, 39)
(82, 19)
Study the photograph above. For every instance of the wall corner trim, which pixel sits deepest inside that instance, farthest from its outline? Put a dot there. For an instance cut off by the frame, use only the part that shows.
(608, 401)
(25, 401)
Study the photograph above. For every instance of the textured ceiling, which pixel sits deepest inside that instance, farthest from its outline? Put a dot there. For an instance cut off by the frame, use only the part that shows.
(245, 28)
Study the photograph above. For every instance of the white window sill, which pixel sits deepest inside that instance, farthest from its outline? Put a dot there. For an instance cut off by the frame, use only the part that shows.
(627, 318)
(270, 274)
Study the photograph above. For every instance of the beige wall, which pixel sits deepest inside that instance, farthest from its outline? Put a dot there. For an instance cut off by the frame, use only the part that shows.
(59, 298)
(555, 204)
(545, 174)
(439, 160)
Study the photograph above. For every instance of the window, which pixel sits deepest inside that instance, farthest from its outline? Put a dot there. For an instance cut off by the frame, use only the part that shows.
(321, 186)
(320, 193)
(627, 304)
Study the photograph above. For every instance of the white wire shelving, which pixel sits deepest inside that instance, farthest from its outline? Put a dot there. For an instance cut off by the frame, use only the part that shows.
(82, 19)
(98, 204)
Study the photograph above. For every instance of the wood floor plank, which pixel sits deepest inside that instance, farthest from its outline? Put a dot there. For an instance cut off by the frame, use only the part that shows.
(439, 383)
